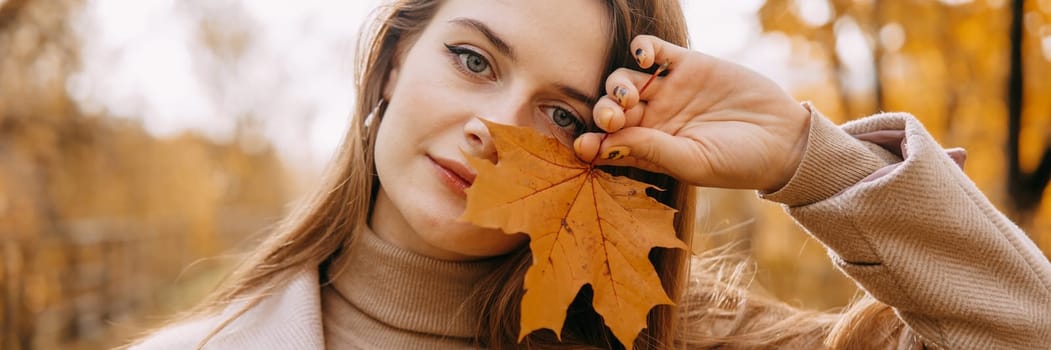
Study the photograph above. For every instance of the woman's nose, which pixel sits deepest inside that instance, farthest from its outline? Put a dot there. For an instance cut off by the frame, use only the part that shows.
(479, 141)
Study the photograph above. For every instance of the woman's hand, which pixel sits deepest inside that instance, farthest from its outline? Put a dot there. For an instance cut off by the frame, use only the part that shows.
(707, 122)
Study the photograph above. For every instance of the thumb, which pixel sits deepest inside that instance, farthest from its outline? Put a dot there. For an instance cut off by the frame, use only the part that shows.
(648, 149)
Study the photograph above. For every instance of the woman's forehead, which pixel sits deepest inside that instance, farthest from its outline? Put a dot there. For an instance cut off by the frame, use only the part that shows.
(573, 34)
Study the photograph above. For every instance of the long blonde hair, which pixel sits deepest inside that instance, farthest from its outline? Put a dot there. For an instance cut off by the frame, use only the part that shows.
(327, 222)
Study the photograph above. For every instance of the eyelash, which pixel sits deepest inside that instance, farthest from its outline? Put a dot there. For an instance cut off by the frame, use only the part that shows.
(456, 54)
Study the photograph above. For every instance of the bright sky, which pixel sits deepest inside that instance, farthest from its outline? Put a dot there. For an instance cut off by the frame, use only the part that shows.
(142, 59)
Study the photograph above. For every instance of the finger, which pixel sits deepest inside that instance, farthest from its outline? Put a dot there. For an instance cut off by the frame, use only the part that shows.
(587, 146)
(610, 117)
(652, 150)
(649, 49)
(633, 81)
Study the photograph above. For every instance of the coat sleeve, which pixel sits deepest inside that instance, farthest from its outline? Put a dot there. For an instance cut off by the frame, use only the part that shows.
(900, 217)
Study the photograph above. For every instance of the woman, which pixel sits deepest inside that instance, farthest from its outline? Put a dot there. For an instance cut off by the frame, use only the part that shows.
(378, 259)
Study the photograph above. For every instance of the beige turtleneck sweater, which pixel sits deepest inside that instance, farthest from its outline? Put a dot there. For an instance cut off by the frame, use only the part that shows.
(391, 298)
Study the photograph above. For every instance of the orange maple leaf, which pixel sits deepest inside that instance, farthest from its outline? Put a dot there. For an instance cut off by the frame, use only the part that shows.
(585, 226)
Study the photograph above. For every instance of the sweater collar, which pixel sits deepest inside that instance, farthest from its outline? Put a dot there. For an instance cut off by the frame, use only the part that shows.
(409, 291)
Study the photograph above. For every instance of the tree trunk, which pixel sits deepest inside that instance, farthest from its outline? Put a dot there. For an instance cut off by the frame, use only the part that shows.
(1026, 189)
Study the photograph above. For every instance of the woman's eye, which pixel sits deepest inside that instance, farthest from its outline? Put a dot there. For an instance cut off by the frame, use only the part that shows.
(563, 118)
(566, 120)
(474, 62)
(470, 60)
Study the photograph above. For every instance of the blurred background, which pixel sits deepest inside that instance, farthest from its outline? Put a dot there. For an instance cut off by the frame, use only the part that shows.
(144, 142)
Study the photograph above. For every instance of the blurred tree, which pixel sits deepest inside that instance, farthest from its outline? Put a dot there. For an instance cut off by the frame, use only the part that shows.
(1027, 182)
(35, 57)
(972, 71)
(98, 217)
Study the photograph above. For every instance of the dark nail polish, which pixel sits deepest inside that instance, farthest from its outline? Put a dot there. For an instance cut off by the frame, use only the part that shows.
(621, 94)
(639, 55)
(616, 153)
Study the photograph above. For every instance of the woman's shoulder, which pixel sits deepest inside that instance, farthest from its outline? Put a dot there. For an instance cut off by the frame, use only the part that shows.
(287, 317)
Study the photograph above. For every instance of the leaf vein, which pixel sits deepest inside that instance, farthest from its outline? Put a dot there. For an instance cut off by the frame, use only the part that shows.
(605, 251)
(566, 215)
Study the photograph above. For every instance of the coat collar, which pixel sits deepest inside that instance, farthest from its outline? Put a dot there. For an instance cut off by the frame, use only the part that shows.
(288, 318)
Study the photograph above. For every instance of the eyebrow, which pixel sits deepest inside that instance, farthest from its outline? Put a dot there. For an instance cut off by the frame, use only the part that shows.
(506, 49)
(577, 94)
(500, 44)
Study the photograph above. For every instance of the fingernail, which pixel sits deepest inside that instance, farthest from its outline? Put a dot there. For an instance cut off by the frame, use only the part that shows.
(621, 93)
(577, 144)
(603, 118)
(639, 55)
(618, 152)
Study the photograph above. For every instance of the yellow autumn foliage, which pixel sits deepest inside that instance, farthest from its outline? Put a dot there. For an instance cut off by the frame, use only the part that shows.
(98, 219)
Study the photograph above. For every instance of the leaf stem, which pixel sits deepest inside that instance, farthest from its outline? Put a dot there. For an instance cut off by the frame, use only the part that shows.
(660, 69)
(663, 67)
(591, 164)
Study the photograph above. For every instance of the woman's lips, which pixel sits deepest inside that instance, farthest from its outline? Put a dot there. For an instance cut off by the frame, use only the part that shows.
(454, 174)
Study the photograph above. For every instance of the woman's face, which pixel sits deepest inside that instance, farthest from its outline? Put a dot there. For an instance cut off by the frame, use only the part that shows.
(535, 63)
